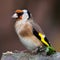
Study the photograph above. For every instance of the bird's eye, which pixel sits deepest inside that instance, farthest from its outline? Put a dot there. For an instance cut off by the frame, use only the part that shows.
(19, 14)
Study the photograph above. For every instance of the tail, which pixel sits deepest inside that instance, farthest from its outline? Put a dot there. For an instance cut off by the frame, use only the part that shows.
(50, 50)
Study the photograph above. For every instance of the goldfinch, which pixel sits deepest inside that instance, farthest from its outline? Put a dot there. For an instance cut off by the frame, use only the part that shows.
(30, 33)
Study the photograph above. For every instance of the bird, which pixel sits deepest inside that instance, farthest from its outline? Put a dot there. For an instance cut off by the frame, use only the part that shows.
(30, 33)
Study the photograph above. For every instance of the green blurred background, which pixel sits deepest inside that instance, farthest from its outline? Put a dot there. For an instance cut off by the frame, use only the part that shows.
(45, 12)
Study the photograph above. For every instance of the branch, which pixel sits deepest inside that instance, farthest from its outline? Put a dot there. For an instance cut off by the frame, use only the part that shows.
(27, 56)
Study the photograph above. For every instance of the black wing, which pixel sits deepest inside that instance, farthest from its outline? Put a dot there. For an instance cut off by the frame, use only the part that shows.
(37, 29)
(37, 35)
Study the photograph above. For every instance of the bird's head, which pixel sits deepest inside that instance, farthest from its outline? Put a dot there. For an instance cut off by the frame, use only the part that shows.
(21, 14)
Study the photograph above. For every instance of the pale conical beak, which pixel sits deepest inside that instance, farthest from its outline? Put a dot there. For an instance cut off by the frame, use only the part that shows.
(15, 15)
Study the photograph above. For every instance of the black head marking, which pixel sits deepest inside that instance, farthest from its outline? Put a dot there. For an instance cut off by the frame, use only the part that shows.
(29, 14)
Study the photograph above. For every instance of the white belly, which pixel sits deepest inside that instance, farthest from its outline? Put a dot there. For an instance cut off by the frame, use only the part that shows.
(28, 43)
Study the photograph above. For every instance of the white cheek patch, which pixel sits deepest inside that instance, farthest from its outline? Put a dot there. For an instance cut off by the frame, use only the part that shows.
(15, 15)
(25, 16)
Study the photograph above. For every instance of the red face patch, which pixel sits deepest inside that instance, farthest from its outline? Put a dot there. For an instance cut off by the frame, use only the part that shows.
(19, 11)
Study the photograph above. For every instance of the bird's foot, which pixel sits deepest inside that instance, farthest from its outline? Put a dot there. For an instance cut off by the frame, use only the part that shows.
(35, 50)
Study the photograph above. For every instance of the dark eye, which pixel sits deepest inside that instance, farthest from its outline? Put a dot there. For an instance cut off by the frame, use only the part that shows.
(20, 14)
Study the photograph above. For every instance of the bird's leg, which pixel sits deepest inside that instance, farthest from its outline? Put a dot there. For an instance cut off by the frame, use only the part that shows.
(35, 50)
(41, 50)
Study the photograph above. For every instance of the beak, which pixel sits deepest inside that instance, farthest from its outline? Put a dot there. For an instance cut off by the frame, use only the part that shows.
(15, 15)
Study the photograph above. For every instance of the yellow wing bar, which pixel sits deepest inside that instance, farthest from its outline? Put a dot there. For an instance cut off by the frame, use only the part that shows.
(42, 39)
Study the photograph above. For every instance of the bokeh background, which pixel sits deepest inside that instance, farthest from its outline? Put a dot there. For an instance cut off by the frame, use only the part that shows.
(45, 12)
